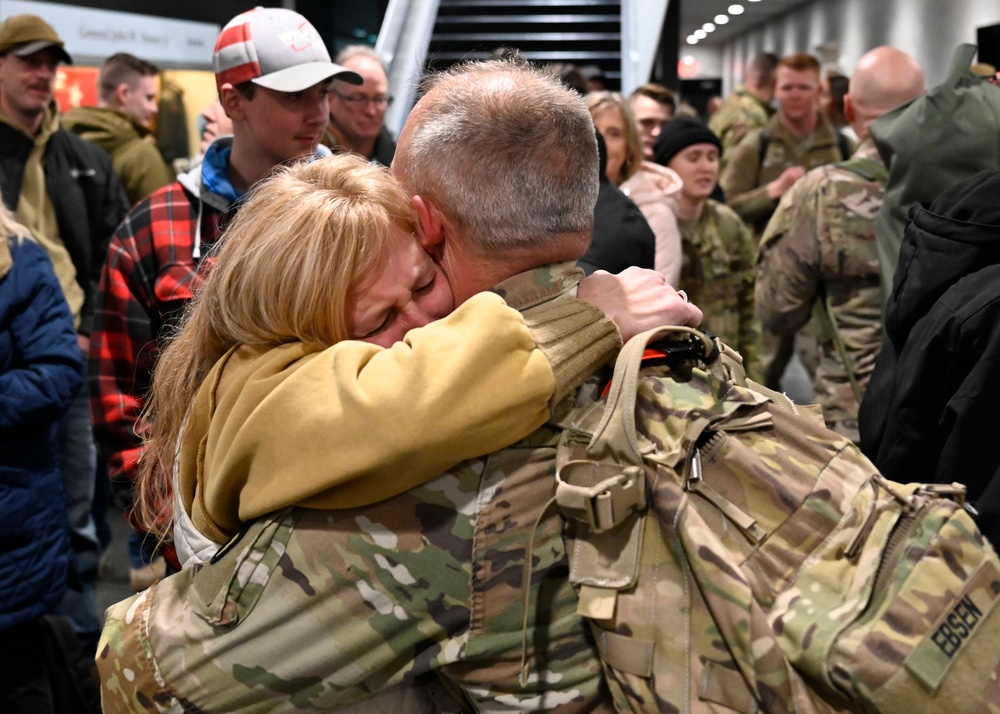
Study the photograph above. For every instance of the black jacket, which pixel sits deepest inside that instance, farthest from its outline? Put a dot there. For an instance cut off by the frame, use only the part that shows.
(622, 237)
(930, 411)
(85, 191)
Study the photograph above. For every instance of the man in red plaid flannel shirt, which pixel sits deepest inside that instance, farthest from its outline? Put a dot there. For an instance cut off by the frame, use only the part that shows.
(274, 77)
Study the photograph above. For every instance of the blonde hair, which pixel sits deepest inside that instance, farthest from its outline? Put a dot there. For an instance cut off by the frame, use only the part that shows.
(598, 102)
(302, 241)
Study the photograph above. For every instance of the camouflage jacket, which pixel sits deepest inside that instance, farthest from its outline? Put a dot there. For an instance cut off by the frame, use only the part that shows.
(820, 245)
(745, 177)
(309, 610)
(740, 114)
(717, 275)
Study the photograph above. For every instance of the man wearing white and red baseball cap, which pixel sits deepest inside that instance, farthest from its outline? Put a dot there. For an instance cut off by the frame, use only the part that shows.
(274, 77)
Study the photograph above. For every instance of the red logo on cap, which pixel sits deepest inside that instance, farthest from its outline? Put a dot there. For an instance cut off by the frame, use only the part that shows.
(300, 38)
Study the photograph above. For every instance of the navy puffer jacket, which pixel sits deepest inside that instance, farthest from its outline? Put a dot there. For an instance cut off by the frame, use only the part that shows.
(40, 372)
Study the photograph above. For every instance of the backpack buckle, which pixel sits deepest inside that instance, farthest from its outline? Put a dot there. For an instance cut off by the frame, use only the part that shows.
(600, 495)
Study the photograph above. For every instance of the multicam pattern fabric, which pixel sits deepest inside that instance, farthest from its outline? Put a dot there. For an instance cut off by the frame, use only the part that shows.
(717, 275)
(740, 114)
(308, 610)
(779, 572)
(820, 244)
(746, 175)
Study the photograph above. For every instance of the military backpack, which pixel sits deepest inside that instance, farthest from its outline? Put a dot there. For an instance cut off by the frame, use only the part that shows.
(734, 555)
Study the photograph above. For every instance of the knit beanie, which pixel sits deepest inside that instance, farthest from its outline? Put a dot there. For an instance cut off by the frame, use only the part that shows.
(678, 134)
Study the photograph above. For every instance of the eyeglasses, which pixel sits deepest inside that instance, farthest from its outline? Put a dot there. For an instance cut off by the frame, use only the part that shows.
(381, 101)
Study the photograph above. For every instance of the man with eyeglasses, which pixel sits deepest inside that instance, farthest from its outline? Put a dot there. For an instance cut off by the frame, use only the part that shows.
(357, 114)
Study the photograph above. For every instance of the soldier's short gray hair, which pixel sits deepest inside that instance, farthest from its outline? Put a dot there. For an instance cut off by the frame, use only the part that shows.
(506, 152)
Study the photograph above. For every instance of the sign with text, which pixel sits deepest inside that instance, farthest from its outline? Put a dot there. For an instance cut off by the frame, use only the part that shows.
(96, 34)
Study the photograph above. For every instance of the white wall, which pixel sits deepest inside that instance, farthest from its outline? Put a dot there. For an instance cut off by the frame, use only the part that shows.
(930, 30)
(709, 60)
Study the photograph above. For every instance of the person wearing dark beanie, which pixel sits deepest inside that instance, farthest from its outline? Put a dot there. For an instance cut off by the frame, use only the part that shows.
(680, 133)
(717, 271)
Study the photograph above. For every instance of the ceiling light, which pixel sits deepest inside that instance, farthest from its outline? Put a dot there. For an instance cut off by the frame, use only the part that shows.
(754, 0)
(700, 34)
(692, 40)
(735, 9)
(708, 27)
(721, 19)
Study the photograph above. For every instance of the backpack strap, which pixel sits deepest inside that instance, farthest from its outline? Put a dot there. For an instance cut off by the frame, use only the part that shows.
(844, 144)
(763, 141)
(868, 169)
(823, 312)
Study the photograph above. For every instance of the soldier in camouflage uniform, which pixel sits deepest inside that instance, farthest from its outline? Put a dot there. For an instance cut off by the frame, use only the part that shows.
(307, 610)
(769, 160)
(717, 269)
(763, 166)
(749, 107)
(819, 253)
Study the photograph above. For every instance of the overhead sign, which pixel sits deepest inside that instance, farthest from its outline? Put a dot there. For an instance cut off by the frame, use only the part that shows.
(96, 34)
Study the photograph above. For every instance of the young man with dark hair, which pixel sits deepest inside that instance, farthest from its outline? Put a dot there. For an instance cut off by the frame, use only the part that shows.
(747, 108)
(274, 77)
(653, 105)
(120, 124)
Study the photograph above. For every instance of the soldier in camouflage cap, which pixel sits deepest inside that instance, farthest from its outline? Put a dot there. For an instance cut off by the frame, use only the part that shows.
(749, 107)
(308, 610)
(819, 249)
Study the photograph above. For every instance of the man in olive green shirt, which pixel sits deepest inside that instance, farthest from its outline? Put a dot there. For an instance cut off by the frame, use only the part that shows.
(749, 107)
(768, 161)
(121, 122)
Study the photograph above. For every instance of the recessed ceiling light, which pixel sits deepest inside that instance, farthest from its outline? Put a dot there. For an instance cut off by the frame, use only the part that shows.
(754, 0)
(708, 27)
(692, 40)
(700, 34)
(721, 19)
(735, 9)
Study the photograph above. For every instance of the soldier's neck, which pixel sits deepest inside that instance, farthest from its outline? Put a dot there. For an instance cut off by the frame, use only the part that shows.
(800, 127)
(689, 209)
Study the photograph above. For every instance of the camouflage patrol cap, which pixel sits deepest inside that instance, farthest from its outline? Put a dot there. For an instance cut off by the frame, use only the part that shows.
(23, 35)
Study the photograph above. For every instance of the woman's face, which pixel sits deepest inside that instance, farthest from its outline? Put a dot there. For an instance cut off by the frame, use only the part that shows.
(409, 292)
(698, 167)
(611, 124)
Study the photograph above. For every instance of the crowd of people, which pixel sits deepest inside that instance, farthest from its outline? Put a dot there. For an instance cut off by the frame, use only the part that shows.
(359, 370)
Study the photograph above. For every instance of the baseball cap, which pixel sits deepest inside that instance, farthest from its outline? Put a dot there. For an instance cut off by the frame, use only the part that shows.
(275, 48)
(23, 35)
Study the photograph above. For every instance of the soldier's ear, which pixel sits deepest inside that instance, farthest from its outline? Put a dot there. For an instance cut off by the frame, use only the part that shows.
(849, 114)
(430, 225)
